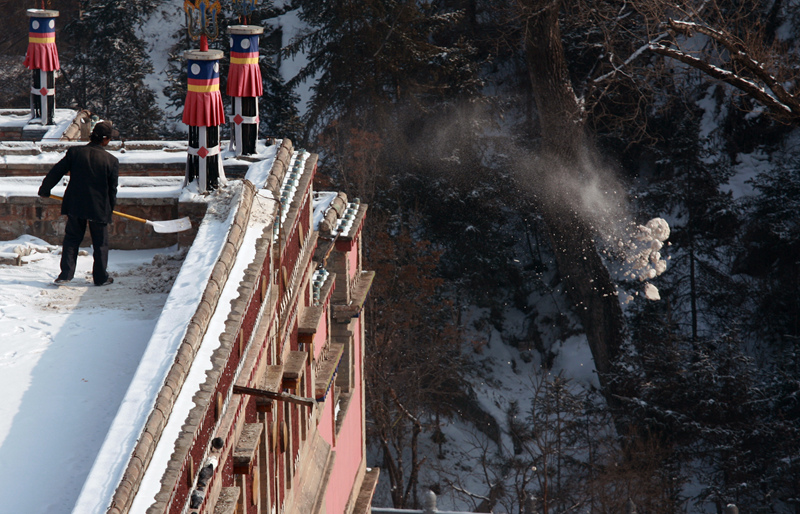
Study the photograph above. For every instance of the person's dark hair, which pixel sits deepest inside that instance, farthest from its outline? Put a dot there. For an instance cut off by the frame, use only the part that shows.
(103, 129)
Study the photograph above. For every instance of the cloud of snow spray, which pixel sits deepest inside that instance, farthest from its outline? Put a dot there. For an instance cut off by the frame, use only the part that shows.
(632, 251)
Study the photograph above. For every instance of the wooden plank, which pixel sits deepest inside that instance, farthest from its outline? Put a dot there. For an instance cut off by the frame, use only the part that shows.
(326, 370)
(272, 378)
(283, 397)
(244, 452)
(310, 320)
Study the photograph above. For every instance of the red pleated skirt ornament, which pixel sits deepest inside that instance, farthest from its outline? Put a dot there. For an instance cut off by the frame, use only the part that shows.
(203, 106)
(42, 53)
(244, 75)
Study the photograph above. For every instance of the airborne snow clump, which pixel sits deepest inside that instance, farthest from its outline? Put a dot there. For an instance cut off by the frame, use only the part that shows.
(643, 256)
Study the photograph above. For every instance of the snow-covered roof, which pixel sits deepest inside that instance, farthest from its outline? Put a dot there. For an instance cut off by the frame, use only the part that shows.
(334, 216)
(67, 356)
(21, 119)
(130, 153)
(83, 365)
(159, 355)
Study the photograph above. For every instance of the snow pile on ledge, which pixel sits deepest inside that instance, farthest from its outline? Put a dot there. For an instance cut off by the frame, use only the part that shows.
(26, 245)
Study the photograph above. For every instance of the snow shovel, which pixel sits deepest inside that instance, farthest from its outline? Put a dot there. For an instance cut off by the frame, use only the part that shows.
(162, 227)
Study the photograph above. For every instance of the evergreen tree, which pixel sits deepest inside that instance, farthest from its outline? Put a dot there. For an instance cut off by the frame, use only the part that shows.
(771, 251)
(406, 75)
(278, 109)
(16, 85)
(107, 63)
(687, 183)
(368, 58)
(732, 426)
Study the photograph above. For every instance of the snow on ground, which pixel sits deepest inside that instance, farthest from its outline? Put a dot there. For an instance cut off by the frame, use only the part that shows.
(747, 166)
(498, 374)
(713, 112)
(67, 356)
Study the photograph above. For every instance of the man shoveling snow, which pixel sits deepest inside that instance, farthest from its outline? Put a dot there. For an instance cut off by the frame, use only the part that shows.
(90, 198)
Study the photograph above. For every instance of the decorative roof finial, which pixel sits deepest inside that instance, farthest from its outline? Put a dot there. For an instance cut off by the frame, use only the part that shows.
(244, 7)
(201, 18)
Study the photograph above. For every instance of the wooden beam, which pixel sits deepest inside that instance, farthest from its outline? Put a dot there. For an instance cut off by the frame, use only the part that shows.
(281, 397)
(367, 491)
(271, 381)
(228, 498)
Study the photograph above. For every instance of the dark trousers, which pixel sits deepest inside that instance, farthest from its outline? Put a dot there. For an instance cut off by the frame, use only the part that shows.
(73, 235)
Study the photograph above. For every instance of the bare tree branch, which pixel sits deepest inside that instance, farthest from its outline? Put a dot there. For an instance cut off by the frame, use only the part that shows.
(416, 463)
(780, 109)
(743, 67)
(629, 60)
(464, 491)
(739, 53)
(402, 408)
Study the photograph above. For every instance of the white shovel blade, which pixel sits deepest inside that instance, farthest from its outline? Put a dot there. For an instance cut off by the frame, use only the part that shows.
(170, 226)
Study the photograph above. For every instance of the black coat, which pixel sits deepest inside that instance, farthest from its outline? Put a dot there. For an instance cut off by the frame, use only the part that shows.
(92, 190)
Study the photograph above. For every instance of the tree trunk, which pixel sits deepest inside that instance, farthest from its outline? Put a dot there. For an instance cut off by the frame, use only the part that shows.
(692, 284)
(564, 166)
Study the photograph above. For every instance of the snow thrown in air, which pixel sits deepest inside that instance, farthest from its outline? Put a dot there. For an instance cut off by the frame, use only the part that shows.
(632, 251)
(643, 259)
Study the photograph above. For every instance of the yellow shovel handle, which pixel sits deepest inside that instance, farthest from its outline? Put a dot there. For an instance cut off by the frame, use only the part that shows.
(134, 218)
(130, 217)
